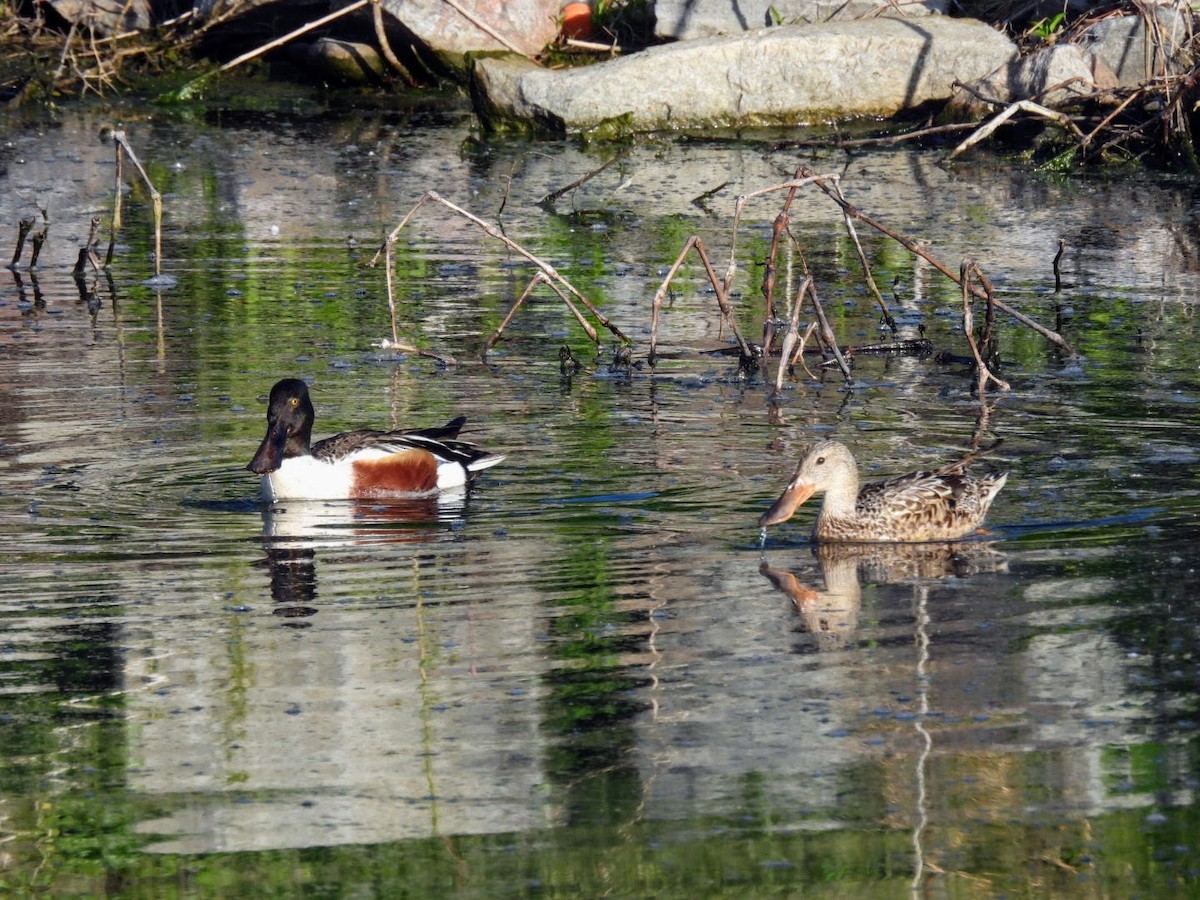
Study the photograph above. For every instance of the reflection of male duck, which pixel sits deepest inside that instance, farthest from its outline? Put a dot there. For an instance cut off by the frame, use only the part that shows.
(338, 523)
(832, 614)
(294, 531)
(939, 505)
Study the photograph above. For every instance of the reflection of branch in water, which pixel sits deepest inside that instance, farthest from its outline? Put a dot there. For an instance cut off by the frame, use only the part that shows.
(39, 300)
(981, 422)
(922, 638)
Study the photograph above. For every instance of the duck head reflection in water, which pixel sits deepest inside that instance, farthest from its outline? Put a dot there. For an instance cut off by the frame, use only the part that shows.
(939, 505)
(831, 615)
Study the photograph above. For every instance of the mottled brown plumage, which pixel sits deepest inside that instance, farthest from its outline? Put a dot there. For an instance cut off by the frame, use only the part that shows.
(939, 505)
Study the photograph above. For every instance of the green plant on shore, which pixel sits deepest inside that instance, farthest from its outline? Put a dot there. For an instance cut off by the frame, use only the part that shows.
(1049, 27)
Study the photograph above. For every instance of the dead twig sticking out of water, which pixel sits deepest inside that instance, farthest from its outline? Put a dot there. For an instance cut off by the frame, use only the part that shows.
(802, 178)
(778, 228)
(121, 145)
(798, 355)
(888, 319)
(395, 343)
(540, 278)
(825, 333)
(550, 275)
(1057, 271)
(36, 241)
(547, 202)
(781, 222)
(568, 365)
(23, 229)
(912, 247)
(789, 339)
(87, 253)
(970, 269)
(747, 355)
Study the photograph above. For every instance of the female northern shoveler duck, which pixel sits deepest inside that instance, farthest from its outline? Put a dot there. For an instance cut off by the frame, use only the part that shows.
(357, 463)
(941, 505)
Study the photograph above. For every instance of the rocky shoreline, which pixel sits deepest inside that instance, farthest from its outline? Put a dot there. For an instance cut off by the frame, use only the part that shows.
(639, 66)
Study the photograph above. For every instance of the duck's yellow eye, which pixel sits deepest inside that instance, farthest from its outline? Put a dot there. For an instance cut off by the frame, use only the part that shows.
(295, 401)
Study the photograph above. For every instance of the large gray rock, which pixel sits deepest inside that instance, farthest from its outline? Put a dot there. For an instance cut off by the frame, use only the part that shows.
(1137, 49)
(688, 20)
(522, 26)
(105, 16)
(781, 75)
(1053, 76)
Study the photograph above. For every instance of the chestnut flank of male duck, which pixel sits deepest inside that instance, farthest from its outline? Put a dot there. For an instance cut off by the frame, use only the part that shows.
(940, 505)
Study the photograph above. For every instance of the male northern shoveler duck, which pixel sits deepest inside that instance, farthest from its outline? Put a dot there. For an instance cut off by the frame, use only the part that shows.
(360, 463)
(941, 505)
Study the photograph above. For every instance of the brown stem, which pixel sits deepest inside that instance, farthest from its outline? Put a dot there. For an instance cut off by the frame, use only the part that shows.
(385, 46)
(553, 277)
(866, 266)
(550, 199)
(1057, 271)
(789, 339)
(36, 242)
(540, 278)
(826, 333)
(23, 228)
(983, 373)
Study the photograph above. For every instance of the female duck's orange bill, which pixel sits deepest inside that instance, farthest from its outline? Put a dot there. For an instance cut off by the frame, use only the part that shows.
(787, 504)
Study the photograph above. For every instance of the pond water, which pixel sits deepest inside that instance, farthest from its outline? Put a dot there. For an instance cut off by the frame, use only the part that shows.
(589, 676)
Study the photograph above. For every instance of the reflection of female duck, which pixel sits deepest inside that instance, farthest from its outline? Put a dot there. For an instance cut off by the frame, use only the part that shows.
(940, 505)
(832, 614)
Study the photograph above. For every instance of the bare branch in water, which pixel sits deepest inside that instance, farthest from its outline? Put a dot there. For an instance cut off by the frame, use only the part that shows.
(694, 242)
(550, 275)
(553, 197)
(540, 278)
(826, 333)
(968, 270)
(912, 247)
(1020, 106)
(121, 143)
(23, 229)
(408, 348)
(789, 339)
(866, 267)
